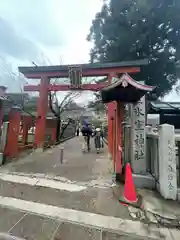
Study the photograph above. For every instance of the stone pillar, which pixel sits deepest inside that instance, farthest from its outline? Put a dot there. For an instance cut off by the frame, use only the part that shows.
(3, 140)
(4, 136)
(138, 117)
(167, 162)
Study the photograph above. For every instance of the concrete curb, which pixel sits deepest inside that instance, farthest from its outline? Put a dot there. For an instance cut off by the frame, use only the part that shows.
(41, 150)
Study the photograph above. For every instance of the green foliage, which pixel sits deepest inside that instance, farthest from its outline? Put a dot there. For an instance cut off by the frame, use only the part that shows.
(137, 29)
(97, 103)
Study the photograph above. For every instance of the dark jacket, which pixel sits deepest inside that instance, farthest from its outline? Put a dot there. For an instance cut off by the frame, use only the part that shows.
(86, 131)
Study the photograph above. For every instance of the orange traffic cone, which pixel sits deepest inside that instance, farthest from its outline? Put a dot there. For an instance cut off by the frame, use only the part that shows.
(129, 188)
(129, 193)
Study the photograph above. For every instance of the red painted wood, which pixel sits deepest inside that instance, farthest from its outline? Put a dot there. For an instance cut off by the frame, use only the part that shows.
(85, 73)
(41, 113)
(27, 122)
(67, 87)
(44, 87)
(111, 108)
(114, 138)
(11, 149)
(53, 130)
(51, 125)
(119, 137)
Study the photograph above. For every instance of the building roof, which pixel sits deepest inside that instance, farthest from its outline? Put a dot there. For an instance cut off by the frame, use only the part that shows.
(14, 99)
(164, 107)
(125, 89)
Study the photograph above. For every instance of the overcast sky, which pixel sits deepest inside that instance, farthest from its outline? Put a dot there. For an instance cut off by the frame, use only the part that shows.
(35, 30)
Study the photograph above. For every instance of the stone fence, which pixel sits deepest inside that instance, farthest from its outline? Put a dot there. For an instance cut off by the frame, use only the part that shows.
(163, 160)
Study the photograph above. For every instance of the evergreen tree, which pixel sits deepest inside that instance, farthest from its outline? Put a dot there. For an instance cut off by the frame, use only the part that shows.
(137, 29)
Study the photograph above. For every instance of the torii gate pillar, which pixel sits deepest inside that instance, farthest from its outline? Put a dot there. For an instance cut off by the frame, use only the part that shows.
(42, 108)
(111, 113)
(126, 90)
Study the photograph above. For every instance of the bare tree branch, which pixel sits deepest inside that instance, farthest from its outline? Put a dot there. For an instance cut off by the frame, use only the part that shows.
(51, 106)
(70, 100)
(65, 99)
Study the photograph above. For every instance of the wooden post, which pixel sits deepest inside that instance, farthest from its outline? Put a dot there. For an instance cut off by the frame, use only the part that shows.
(114, 139)
(54, 130)
(111, 107)
(11, 149)
(26, 123)
(119, 136)
(41, 113)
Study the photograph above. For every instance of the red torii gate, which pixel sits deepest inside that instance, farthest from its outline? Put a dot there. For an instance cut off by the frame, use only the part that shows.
(123, 90)
(45, 73)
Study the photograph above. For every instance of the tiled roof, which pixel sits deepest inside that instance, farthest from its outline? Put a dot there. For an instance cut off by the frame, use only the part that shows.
(165, 105)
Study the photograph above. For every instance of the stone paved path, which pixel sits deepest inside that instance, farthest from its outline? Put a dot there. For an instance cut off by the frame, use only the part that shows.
(40, 198)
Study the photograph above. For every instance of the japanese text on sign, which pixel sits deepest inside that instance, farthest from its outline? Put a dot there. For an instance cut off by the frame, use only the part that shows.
(138, 111)
(139, 130)
(139, 124)
(139, 146)
(170, 165)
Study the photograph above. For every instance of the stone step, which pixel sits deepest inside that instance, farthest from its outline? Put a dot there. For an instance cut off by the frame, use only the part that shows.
(20, 226)
(17, 225)
(93, 200)
(78, 219)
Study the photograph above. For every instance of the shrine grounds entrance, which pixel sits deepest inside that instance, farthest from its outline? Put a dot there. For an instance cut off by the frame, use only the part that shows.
(120, 89)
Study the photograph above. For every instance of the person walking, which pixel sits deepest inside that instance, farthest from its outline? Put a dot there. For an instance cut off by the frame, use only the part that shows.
(77, 129)
(87, 133)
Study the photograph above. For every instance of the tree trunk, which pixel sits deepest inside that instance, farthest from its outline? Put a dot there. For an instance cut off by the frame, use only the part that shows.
(64, 128)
